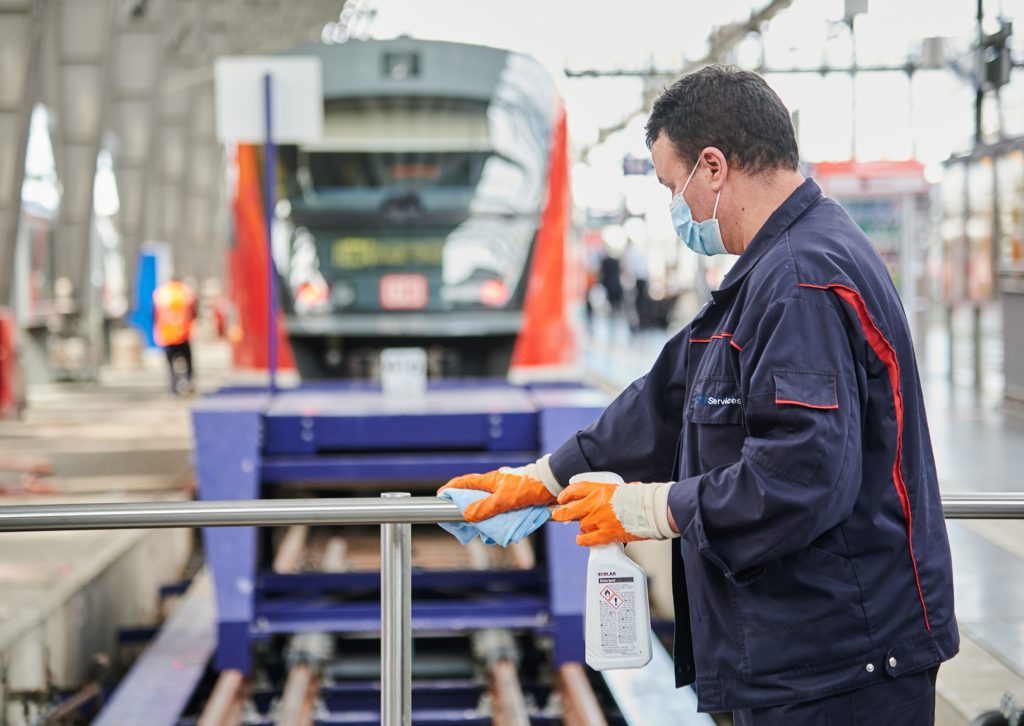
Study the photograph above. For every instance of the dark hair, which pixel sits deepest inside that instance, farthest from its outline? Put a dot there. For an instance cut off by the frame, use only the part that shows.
(731, 109)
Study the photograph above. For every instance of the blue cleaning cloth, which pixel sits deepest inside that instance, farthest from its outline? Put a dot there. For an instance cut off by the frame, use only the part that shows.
(500, 529)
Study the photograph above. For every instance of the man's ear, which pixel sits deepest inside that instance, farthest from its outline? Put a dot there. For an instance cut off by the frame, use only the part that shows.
(714, 161)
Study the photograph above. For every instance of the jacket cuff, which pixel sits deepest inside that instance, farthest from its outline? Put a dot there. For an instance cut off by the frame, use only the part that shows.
(682, 500)
(568, 460)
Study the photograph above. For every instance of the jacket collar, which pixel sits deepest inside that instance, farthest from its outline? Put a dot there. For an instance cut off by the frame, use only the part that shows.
(802, 198)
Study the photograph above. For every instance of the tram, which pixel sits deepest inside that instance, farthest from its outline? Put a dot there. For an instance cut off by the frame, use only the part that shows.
(432, 213)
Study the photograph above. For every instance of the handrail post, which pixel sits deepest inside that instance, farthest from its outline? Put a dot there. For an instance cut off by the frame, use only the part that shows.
(395, 621)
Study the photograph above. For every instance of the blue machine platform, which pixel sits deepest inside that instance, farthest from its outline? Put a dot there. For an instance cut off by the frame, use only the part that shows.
(342, 436)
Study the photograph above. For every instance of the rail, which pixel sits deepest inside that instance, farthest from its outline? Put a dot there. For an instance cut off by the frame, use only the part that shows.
(227, 513)
(395, 513)
(364, 510)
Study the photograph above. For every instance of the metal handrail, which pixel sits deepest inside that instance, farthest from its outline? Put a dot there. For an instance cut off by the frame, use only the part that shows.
(394, 512)
(983, 505)
(365, 510)
(227, 513)
(396, 619)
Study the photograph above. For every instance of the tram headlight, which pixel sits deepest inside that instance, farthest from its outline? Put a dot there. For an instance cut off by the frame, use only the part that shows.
(310, 296)
(494, 293)
(491, 293)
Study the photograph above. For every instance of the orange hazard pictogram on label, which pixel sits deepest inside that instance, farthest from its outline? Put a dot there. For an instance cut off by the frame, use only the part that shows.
(611, 597)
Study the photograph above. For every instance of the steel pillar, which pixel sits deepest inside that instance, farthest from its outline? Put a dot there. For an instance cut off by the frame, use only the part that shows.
(85, 48)
(138, 76)
(165, 208)
(21, 31)
(203, 189)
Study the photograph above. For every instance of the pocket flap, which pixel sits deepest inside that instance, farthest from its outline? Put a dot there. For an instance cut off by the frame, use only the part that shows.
(811, 389)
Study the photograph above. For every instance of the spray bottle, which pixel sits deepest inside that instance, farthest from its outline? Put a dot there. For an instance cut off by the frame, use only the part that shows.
(618, 614)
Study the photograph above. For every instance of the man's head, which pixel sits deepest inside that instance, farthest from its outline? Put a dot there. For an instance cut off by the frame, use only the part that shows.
(730, 109)
(736, 130)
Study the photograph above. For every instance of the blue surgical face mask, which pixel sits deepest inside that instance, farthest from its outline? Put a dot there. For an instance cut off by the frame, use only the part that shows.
(704, 238)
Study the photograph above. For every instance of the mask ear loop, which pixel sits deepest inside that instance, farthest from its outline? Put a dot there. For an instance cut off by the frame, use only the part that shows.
(714, 212)
(692, 172)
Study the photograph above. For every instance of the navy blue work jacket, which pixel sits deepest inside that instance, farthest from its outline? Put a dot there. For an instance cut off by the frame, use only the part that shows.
(789, 413)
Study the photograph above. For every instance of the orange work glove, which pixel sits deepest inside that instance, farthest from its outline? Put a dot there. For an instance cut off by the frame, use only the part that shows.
(616, 512)
(511, 488)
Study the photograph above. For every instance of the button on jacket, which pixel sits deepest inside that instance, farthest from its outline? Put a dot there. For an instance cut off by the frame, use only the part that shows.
(813, 558)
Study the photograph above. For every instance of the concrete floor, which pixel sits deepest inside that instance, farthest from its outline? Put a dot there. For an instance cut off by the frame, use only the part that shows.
(64, 595)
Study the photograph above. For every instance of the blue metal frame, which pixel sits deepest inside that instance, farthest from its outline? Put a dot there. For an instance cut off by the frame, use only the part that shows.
(227, 457)
(561, 415)
(438, 580)
(341, 434)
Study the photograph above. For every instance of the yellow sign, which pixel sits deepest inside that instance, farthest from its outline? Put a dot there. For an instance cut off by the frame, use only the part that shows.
(353, 253)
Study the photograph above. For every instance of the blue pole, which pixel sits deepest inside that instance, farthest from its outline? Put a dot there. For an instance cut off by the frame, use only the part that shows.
(269, 201)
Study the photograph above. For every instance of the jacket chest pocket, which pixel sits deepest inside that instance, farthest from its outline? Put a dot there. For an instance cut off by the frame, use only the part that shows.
(714, 428)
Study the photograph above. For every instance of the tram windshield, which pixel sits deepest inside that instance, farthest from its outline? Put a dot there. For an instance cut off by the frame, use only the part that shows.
(443, 194)
(427, 182)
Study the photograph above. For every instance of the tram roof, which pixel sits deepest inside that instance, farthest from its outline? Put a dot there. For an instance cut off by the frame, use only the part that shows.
(413, 67)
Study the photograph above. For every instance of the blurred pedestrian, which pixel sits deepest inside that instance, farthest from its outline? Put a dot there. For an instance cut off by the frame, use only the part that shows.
(610, 277)
(635, 263)
(174, 310)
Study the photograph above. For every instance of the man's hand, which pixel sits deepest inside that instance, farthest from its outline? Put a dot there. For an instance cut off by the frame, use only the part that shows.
(524, 486)
(616, 512)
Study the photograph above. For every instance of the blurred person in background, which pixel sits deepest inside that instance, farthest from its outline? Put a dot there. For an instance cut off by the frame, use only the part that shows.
(664, 298)
(635, 263)
(781, 436)
(610, 278)
(174, 310)
(593, 246)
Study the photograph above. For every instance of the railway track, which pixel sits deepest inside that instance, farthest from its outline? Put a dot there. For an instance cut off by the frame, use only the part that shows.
(489, 676)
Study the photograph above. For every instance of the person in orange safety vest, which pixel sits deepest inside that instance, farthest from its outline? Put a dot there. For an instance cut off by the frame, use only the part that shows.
(174, 309)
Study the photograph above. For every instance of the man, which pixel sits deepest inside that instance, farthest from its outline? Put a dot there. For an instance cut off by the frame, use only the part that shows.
(787, 428)
(174, 309)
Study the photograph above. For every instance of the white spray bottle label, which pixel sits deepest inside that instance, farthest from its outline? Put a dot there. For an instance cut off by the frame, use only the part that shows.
(617, 615)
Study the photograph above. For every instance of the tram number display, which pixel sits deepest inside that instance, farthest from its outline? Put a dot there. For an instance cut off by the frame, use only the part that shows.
(404, 292)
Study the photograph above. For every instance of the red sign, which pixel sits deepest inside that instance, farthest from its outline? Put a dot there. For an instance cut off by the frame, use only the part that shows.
(404, 292)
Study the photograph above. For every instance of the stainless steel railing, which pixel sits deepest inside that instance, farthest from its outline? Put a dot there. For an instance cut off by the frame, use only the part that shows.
(394, 511)
(396, 618)
(366, 510)
(242, 512)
